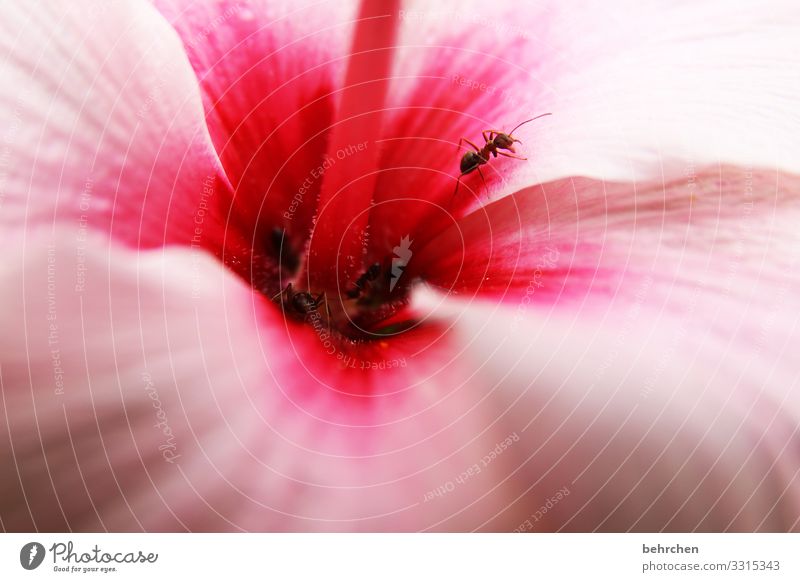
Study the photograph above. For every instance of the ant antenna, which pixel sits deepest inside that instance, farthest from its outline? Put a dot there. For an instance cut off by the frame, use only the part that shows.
(281, 292)
(528, 121)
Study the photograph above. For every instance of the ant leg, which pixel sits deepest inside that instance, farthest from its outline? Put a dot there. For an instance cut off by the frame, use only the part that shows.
(453, 197)
(463, 139)
(492, 133)
(510, 156)
(327, 309)
(482, 178)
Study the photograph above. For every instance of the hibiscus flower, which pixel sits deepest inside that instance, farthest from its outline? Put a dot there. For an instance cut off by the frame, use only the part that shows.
(240, 290)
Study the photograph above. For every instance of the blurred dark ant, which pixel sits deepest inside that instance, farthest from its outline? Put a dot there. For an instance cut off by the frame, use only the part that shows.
(496, 140)
(301, 304)
(367, 276)
(282, 248)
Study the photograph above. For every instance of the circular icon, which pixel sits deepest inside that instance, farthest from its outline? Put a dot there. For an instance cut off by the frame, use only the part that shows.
(31, 555)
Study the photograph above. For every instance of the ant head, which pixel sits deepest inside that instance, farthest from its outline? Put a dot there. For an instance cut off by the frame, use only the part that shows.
(470, 161)
(303, 302)
(504, 141)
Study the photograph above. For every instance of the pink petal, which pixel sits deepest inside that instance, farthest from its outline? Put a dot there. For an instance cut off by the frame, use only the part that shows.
(644, 340)
(104, 126)
(270, 73)
(264, 446)
(267, 431)
(675, 413)
(580, 240)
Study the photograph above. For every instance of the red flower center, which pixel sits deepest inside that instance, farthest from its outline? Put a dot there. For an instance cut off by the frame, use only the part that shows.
(311, 253)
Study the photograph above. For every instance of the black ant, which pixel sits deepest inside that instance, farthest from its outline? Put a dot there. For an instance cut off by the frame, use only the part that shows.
(496, 140)
(302, 303)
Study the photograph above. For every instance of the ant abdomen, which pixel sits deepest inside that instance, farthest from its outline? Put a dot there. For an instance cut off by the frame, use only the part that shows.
(470, 161)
